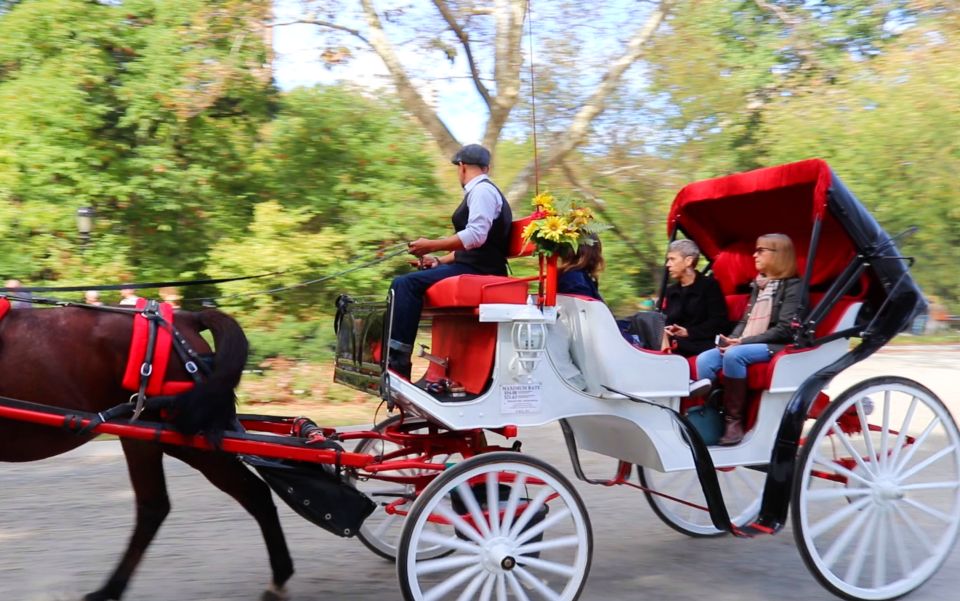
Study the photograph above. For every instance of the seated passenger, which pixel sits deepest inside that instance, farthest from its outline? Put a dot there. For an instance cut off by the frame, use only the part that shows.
(579, 272)
(766, 327)
(694, 306)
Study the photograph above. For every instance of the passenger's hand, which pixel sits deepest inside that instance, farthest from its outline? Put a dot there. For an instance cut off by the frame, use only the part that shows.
(421, 246)
(428, 262)
(726, 342)
(676, 331)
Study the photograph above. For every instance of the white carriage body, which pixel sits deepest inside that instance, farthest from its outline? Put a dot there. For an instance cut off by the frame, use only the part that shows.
(604, 421)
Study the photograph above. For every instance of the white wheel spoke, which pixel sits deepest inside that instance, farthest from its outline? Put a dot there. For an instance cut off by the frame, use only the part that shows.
(529, 512)
(832, 494)
(547, 566)
(445, 564)
(860, 553)
(450, 584)
(899, 544)
(916, 445)
(687, 488)
(473, 587)
(915, 530)
(510, 511)
(751, 484)
(554, 519)
(926, 463)
(902, 434)
(884, 432)
(547, 545)
(501, 588)
(383, 526)
(493, 502)
(449, 542)
(536, 584)
(867, 440)
(880, 560)
(515, 586)
(932, 486)
(459, 523)
(826, 524)
(832, 465)
(473, 508)
(846, 537)
(487, 592)
(944, 517)
(847, 444)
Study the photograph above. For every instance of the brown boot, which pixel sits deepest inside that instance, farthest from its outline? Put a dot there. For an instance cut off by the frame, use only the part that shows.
(734, 400)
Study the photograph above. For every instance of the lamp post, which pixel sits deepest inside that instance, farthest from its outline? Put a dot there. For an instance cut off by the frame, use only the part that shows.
(85, 217)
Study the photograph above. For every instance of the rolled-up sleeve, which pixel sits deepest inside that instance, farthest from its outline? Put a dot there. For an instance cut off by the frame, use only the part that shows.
(484, 204)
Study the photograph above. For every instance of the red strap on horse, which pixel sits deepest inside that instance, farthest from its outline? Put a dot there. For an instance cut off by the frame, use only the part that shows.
(161, 354)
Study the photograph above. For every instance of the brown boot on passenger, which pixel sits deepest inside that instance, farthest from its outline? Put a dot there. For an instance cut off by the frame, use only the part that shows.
(734, 401)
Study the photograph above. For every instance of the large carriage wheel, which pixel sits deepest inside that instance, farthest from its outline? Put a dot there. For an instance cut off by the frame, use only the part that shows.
(876, 496)
(537, 544)
(742, 489)
(380, 532)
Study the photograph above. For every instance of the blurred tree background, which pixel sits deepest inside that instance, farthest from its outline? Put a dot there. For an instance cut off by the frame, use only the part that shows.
(166, 119)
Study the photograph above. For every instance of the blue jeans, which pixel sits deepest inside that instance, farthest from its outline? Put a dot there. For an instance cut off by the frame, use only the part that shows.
(408, 291)
(734, 361)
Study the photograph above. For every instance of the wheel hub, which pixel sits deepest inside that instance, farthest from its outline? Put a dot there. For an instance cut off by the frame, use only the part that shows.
(498, 555)
(887, 491)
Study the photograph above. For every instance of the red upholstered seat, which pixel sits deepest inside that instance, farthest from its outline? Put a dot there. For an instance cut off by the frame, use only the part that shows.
(474, 290)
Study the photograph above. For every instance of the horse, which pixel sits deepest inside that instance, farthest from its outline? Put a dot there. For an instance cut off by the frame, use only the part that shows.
(74, 358)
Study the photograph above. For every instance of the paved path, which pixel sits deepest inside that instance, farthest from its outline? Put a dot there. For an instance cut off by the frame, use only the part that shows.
(64, 521)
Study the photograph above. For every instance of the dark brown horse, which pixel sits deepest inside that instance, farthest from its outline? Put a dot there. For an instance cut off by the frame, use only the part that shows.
(74, 358)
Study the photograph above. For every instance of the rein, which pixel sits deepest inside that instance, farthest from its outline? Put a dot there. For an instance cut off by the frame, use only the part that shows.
(380, 257)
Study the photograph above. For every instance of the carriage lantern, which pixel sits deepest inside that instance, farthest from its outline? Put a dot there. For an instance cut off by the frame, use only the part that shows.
(529, 342)
(85, 217)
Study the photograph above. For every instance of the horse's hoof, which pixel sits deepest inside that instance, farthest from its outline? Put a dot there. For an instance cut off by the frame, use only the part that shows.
(275, 594)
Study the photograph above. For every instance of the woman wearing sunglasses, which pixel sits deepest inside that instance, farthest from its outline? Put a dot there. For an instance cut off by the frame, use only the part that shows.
(765, 328)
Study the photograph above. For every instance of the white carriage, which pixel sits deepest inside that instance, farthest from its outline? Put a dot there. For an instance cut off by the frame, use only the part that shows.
(872, 477)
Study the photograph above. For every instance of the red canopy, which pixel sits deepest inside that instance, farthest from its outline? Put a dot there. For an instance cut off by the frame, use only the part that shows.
(726, 215)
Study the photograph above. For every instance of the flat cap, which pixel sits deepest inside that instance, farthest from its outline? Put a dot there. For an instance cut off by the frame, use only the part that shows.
(472, 154)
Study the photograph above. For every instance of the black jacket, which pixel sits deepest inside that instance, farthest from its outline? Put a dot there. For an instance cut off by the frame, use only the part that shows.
(786, 303)
(701, 309)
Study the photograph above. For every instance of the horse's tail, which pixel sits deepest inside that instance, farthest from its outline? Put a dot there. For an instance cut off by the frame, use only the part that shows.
(210, 407)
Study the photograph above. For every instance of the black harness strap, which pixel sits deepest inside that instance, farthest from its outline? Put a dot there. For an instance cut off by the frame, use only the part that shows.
(151, 312)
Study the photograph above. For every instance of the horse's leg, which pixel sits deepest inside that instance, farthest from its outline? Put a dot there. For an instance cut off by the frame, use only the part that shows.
(145, 464)
(227, 473)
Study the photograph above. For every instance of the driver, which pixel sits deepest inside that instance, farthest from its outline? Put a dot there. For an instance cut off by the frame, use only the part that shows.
(479, 245)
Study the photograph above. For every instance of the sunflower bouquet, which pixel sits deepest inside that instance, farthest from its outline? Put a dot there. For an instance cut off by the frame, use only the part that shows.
(560, 224)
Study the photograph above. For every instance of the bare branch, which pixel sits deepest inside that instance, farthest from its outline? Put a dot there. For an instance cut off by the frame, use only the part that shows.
(779, 11)
(601, 207)
(412, 99)
(595, 105)
(451, 20)
(355, 33)
(508, 53)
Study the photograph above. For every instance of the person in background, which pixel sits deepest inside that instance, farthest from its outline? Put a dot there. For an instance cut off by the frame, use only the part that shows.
(18, 304)
(169, 294)
(766, 327)
(694, 306)
(92, 297)
(579, 272)
(478, 245)
(128, 296)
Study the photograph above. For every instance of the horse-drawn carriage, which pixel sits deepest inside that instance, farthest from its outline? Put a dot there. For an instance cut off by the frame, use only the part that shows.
(871, 477)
